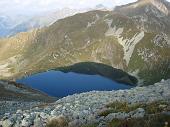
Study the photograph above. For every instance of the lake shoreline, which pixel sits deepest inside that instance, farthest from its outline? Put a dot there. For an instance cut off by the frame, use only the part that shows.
(61, 84)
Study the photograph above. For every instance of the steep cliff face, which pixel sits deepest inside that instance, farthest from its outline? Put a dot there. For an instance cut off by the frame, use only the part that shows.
(134, 38)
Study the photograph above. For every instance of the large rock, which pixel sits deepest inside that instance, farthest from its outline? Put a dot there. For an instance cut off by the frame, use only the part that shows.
(119, 115)
(138, 113)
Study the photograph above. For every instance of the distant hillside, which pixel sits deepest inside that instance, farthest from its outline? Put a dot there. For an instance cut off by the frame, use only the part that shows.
(11, 25)
(9, 22)
(133, 37)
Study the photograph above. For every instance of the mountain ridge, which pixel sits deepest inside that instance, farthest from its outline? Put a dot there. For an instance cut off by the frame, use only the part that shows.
(137, 43)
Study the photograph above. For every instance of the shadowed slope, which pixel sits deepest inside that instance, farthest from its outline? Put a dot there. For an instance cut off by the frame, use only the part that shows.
(92, 68)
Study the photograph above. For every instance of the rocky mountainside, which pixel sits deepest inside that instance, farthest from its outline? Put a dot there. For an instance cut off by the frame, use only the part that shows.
(15, 96)
(11, 91)
(149, 15)
(133, 37)
(137, 107)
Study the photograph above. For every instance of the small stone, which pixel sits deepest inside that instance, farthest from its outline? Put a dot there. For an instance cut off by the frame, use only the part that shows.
(58, 106)
(64, 107)
(43, 115)
(38, 122)
(54, 112)
(1, 123)
(74, 123)
(19, 112)
(119, 115)
(102, 125)
(25, 114)
(26, 122)
(7, 123)
(163, 80)
(166, 123)
(86, 111)
(6, 116)
(138, 113)
(162, 106)
(17, 124)
(47, 110)
(91, 119)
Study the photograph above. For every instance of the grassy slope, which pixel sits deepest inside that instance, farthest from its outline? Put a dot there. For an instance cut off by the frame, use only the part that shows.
(156, 66)
(70, 41)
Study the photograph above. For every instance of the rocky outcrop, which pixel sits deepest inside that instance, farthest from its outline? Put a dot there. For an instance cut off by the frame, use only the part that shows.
(15, 96)
(80, 109)
(12, 91)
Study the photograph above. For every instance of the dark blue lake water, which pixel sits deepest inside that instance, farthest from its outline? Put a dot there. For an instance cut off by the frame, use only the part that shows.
(59, 84)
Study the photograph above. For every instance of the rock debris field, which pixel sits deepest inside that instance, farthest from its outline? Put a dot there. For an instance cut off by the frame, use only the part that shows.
(80, 109)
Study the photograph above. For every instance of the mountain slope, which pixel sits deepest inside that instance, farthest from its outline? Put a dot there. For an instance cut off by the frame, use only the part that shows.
(11, 91)
(149, 15)
(14, 96)
(119, 39)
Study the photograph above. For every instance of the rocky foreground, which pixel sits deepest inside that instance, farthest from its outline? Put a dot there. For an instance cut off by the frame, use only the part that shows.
(15, 96)
(96, 108)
